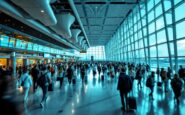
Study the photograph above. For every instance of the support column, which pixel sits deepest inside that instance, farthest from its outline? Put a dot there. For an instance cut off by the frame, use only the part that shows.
(13, 63)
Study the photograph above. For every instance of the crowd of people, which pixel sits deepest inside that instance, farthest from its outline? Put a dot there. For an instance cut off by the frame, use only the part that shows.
(46, 75)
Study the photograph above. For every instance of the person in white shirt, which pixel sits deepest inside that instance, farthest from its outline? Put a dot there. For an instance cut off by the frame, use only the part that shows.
(26, 83)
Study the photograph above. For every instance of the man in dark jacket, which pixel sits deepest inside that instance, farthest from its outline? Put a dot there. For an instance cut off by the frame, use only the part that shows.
(35, 75)
(176, 84)
(124, 87)
(150, 83)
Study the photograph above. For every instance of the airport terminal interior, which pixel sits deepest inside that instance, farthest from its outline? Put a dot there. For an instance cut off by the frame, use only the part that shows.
(92, 57)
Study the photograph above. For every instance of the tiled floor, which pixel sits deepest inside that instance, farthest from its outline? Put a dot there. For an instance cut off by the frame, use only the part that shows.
(102, 98)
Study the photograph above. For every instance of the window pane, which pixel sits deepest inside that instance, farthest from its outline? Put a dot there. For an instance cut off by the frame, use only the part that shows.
(161, 36)
(163, 50)
(180, 32)
(158, 10)
(151, 28)
(181, 47)
(164, 62)
(152, 39)
(153, 51)
(159, 23)
(179, 12)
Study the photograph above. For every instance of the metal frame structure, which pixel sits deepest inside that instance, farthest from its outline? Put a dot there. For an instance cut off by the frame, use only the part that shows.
(161, 28)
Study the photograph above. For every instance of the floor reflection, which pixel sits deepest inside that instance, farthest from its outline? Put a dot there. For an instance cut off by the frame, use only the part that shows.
(98, 97)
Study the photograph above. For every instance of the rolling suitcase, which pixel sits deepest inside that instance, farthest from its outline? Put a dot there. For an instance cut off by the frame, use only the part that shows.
(132, 102)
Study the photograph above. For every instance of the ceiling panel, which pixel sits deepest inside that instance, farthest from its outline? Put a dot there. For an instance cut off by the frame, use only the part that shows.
(86, 28)
(119, 10)
(95, 10)
(84, 21)
(80, 10)
(108, 32)
(103, 18)
(95, 28)
(113, 21)
(95, 21)
(110, 28)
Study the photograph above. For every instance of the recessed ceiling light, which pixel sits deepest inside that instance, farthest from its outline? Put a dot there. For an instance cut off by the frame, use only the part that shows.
(42, 11)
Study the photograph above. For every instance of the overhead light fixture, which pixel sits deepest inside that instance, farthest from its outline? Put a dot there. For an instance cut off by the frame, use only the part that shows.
(42, 11)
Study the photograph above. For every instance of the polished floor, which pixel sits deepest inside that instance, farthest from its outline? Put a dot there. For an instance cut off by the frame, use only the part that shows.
(102, 98)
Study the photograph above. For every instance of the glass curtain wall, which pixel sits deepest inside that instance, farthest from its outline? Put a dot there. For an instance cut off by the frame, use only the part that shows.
(98, 53)
(153, 33)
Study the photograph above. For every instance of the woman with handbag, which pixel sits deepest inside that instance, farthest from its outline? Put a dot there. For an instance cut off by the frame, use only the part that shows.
(26, 82)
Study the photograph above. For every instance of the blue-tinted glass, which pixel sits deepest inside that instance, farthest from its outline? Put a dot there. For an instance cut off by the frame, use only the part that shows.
(177, 1)
(151, 16)
(151, 27)
(168, 18)
(164, 63)
(179, 31)
(153, 51)
(144, 31)
(162, 50)
(158, 10)
(141, 43)
(159, 23)
(153, 63)
(161, 36)
(152, 39)
(150, 4)
(181, 47)
(144, 21)
(172, 49)
(146, 43)
(136, 45)
(142, 53)
(157, 1)
(170, 34)
(142, 10)
(167, 4)
(179, 12)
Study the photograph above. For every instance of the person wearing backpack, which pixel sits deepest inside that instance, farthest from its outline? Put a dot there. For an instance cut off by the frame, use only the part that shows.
(150, 83)
(26, 82)
(176, 84)
(44, 81)
(124, 86)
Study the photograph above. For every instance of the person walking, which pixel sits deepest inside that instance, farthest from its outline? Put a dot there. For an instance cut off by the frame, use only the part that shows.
(124, 86)
(176, 84)
(44, 81)
(150, 83)
(26, 83)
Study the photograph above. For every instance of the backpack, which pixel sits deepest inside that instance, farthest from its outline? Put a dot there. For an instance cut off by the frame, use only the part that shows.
(43, 79)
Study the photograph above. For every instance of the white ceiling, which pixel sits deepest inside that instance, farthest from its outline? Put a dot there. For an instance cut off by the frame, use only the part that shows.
(101, 18)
